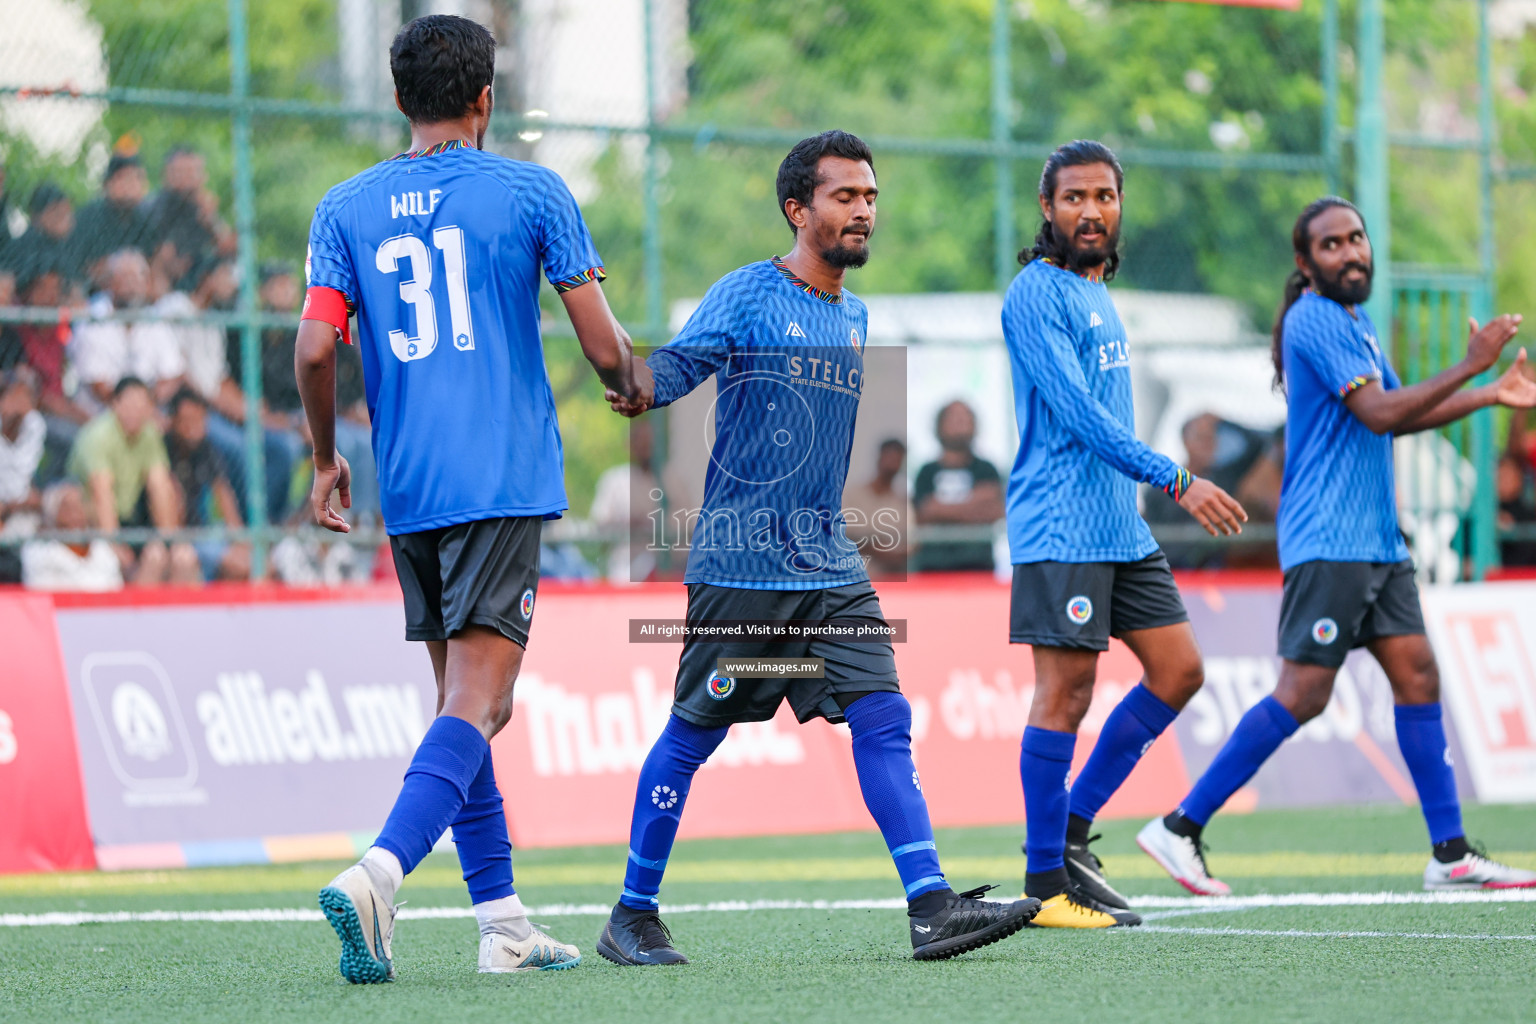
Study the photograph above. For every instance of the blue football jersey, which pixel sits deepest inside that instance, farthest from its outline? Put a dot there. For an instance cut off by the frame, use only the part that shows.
(788, 361)
(1338, 501)
(440, 252)
(1072, 491)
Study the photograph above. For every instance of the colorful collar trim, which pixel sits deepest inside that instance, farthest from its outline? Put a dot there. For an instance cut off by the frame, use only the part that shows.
(1094, 274)
(835, 298)
(441, 147)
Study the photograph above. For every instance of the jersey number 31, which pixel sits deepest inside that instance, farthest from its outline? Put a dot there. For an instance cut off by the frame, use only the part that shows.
(417, 290)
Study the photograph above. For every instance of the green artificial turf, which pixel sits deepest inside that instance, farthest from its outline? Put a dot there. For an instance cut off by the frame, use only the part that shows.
(1435, 962)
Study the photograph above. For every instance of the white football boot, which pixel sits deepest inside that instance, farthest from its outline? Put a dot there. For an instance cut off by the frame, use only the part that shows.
(1182, 857)
(1475, 871)
(502, 954)
(364, 921)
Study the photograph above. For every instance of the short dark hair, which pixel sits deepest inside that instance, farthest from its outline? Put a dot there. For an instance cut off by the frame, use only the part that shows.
(125, 383)
(186, 394)
(798, 177)
(938, 420)
(1077, 153)
(180, 149)
(441, 63)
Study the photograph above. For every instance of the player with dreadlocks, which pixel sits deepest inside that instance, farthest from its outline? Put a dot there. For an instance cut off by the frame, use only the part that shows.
(1348, 578)
(1085, 566)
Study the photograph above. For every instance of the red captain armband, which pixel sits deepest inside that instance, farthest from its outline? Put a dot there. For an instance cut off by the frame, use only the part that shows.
(331, 306)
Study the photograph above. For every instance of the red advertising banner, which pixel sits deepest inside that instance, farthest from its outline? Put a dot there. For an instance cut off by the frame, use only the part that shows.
(42, 804)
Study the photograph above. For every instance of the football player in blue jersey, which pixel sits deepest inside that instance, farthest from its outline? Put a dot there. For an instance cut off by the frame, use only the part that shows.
(1348, 578)
(439, 252)
(1085, 566)
(785, 343)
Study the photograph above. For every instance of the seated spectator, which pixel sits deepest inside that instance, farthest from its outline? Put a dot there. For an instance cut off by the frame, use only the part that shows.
(184, 226)
(5, 220)
(22, 432)
(114, 221)
(876, 516)
(121, 459)
(1515, 510)
(282, 414)
(1241, 461)
(43, 347)
(72, 564)
(625, 500)
(960, 489)
(49, 241)
(202, 483)
(105, 352)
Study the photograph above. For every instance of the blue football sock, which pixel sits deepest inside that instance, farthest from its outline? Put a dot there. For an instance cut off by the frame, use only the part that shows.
(882, 754)
(1137, 720)
(1259, 734)
(665, 779)
(435, 788)
(1421, 738)
(1045, 761)
(480, 833)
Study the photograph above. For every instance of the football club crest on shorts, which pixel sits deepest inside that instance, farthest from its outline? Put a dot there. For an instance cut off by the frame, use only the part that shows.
(526, 605)
(1325, 631)
(719, 686)
(1080, 609)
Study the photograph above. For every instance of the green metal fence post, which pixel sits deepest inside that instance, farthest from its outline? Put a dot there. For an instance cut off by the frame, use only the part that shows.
(250, 339)
(1485, 502)
(1006, 244)
(1330, 70)
(1371, 156)
(655, 315)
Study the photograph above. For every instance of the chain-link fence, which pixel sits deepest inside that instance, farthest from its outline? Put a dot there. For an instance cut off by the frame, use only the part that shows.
(162, 163)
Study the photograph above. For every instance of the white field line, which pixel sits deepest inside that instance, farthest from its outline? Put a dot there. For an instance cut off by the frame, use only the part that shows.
(1294, 934)
(1178, 906)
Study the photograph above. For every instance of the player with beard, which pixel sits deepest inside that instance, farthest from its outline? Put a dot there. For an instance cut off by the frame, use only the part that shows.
(1085, 565)
(785, 342)
(1348, 579)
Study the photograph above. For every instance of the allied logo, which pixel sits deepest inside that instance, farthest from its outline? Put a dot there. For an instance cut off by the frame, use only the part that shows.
(916, 783)
(793, 330)
(664, 797)
(1080, 609)
(526, 606)
(140, 723)
(853, 337)
(1094, 320)
(1325, 631)
(719, 686)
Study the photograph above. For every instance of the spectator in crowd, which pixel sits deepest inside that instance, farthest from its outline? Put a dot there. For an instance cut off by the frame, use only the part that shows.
(876, 516)
(22, 432)
(184, 226)
(49, 242)
(105, 351)
(114, 221)
(282, 414)
(1513, 490)
(203, 349)
(120, 458)
(958, 489)
(1242, 461)
(71, 564)
(43, 348)
(202, 482)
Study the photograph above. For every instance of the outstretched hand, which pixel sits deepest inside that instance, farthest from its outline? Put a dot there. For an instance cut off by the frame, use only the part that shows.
(1515, 387)
(1214, 509)
(1486, 343)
